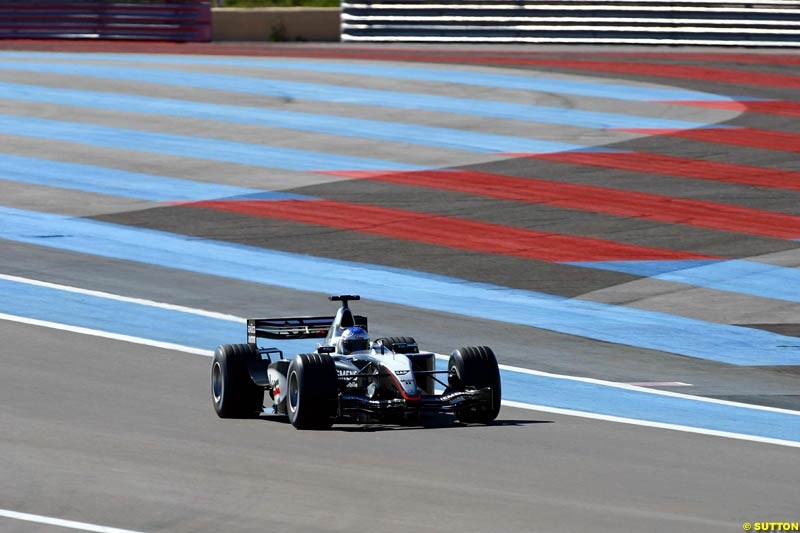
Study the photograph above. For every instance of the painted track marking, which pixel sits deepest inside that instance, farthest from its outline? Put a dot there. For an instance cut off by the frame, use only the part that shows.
(675, 427)
(660, 384)
(202, 148)
(452, 232)
(551, 389)
(597, 199)
(737, 136)
(749, 277)
(620, 325)
(565, 195)
(329, 124)
(680, 167)
(787, 108)
(105, 334)
(508, 403)
(60, 522)
(128, 299)
(452, 75)
(242, 320)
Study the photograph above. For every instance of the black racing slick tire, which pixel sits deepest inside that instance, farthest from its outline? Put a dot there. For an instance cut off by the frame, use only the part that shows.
(400, 344)
(232, 391)
(312, 391)
(475, 367)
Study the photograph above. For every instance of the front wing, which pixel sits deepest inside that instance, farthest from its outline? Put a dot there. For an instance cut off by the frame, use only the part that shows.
(361, 407)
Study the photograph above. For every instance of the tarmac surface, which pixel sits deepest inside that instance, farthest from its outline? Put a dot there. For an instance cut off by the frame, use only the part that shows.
(113, 433)
(119, 434)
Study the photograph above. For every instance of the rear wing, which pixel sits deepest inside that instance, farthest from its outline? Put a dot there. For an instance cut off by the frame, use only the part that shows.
(304, 327)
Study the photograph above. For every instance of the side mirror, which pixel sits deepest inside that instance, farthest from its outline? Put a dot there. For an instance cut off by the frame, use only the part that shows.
(326, 349)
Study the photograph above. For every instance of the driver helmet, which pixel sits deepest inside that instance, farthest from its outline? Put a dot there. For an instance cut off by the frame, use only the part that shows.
(353, 339)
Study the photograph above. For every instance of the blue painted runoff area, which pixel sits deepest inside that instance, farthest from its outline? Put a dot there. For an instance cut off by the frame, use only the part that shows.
(195, 147)
(125, 318)
(745, 277)
(113, 316)
(316, 123)
(121, 183)
(188, 329)
(603, 322)
(342, 94)
(532, 81)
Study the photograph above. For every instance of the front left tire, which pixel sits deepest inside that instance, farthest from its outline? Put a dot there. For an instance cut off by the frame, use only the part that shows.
(312, 391)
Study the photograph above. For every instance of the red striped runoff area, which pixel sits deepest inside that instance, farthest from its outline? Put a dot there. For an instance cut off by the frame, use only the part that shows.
(683, 72)
(718, 57)
(599, 200)
(446, 231)
(750, 137)
(766, 107)
(680, 167)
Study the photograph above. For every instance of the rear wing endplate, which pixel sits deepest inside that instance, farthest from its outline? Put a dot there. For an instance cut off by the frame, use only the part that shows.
(304, 327)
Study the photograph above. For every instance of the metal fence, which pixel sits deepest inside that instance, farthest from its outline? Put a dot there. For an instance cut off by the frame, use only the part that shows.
(165, 20)
(681, 22)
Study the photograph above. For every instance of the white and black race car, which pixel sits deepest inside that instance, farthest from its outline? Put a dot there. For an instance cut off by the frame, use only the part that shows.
(349, 378)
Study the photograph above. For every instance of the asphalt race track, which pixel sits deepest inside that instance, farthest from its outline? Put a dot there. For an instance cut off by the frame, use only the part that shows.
(621, 225)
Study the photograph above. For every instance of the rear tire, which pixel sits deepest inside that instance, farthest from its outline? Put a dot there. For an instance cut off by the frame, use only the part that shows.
(232, 391)
(312, 391)
(475, 367)
(408, 346)
(395, 344)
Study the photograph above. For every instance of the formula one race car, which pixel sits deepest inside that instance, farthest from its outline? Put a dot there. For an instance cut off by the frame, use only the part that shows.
(348, 378)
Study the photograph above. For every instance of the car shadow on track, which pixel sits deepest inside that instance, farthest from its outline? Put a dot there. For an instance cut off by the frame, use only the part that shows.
(428, 422)
(431, 423)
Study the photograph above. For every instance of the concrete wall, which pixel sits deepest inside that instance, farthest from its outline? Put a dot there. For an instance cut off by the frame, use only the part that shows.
(276, 24)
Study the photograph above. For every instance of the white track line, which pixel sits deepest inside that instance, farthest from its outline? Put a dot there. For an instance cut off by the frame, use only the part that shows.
(627, 386)
(646, 423)
(660, 384)
(105, 334)
(119, 298)
(58, 522)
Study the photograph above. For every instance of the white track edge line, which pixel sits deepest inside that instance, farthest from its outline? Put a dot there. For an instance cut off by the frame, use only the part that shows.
(120, 298)
(647, 423)
(657, 392)
(106, 334)
(509, 403)
(520, 370)
(84, 526)
(647, 390)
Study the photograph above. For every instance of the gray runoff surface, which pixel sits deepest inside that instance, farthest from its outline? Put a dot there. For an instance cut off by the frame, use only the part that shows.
(124, 435)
